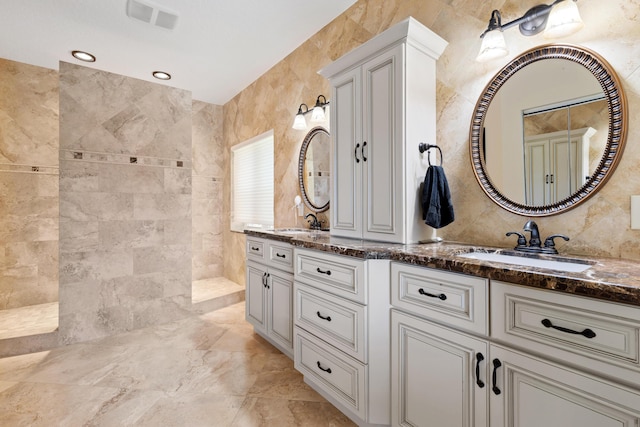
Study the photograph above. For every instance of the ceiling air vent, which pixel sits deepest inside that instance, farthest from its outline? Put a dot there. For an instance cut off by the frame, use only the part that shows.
(152, 14)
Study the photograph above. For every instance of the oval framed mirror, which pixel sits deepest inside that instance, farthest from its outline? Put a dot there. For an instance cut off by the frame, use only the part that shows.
(548, 130)
(313, 169)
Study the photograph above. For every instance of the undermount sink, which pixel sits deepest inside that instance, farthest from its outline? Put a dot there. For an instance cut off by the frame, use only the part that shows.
(530, 260)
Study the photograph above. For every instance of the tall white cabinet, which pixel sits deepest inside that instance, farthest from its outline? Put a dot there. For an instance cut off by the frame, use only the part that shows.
(382, 107)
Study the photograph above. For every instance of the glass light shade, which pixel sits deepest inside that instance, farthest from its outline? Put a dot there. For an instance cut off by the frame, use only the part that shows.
(317, 115)
(564, 19)
(493, 46)
(299, 123)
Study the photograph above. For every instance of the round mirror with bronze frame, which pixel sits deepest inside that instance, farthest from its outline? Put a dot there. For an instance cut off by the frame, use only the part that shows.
(313, 169)
(616, 133)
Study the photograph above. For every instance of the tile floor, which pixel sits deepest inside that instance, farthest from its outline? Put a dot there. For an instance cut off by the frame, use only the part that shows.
(207, 370)
(206, 295)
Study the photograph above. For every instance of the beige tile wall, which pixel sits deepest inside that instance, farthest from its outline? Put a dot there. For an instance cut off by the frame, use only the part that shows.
(208, 180)
(612, 28)
(125, 203)
(28, 198)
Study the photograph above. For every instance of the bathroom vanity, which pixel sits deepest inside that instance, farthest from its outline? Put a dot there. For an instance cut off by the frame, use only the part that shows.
(422, 335)
(444, 334)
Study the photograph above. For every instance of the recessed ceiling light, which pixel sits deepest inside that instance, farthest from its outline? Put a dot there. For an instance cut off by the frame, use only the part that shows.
(83, 56)
(161, 75)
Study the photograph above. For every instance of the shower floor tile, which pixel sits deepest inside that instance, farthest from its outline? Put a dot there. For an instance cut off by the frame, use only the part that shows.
(29, 320)
(207, 289)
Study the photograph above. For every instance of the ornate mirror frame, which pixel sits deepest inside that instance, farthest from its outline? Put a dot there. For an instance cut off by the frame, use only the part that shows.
(617, 134)
(303, 154)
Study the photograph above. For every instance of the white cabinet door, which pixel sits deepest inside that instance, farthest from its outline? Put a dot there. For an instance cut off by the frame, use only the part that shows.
(439, 376)
(256, 294)
(368, 149)
(383, 145)
(280, 299)
(531, 392)
(346, 136)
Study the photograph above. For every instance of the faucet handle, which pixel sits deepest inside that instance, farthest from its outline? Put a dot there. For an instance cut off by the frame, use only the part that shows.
(549, 243)
(521, 239)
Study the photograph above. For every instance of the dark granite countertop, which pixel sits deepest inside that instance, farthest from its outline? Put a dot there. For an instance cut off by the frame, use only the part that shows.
(608, 279)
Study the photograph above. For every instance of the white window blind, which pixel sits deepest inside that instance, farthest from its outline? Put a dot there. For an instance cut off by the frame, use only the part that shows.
(252, 186)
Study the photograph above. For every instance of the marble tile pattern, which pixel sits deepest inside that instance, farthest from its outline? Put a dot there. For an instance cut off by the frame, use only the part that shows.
(125, 203)
(598, 227)
(609, 279)
(28, 185)
(208, 180)
(207, 370)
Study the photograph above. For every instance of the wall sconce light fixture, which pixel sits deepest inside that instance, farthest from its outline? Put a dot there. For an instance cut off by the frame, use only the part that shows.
(558, 19)
(317, 114)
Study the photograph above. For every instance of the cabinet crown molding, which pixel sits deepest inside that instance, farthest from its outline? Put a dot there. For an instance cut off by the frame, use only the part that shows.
(411, 30)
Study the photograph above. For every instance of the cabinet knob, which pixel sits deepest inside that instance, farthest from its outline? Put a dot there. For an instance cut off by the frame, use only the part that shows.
(494, 377)
(327, 370)
(479, 358)
(328, 318)
(327, 272)
(587, 333)
(442, 297)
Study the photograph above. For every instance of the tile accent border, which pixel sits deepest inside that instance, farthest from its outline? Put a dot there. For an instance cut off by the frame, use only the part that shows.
(34, 169)
(128, 159)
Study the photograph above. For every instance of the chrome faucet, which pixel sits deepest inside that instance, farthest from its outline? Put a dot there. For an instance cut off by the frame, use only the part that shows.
(314, 224)
(534, 245)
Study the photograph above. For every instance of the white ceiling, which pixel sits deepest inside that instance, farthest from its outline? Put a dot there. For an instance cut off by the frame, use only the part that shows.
(217, 49)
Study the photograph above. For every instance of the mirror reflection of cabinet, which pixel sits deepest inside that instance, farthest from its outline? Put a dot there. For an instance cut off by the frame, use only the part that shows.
(568, 76)
(554, 167)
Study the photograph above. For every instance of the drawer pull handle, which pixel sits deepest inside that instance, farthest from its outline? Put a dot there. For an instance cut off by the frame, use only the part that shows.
(253, 248)
(328, 370)
(355, 152)
(496, 365)
(328, 318)
(264, 279)
(588, 333)
(327, 272)
(479, 358)
(427, 294)
(281, 255)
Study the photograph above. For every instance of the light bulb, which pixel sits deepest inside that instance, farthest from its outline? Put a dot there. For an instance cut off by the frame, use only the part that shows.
(299, 123)
(317, 115)
(493, 46)
(564, 19)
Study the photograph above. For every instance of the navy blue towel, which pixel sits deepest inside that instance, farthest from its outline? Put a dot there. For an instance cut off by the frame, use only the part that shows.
(437, 209)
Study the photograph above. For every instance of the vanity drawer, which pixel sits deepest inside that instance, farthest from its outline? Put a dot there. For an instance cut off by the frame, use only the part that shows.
(339, 322)
(281, 255)
(455, 299)
(340, 275)
(336, 374)
(538, 319)
(256, 249)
